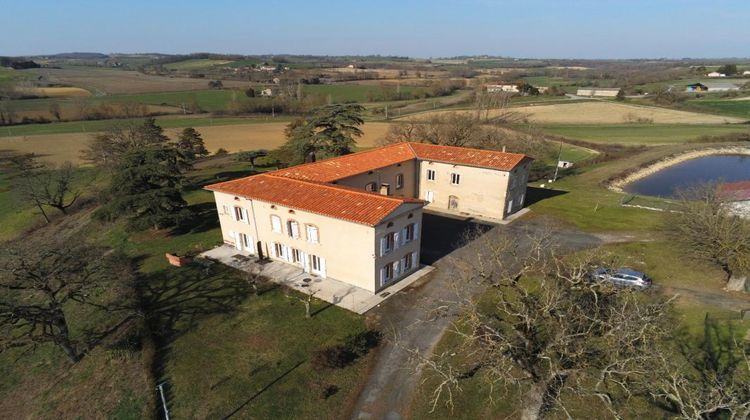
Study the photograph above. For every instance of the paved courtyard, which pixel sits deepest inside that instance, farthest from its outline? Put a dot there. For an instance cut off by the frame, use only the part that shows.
(330, 290)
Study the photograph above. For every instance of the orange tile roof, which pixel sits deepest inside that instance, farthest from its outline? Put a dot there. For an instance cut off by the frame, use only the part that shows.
(308, 186)
(467, 156)
(329, 200)
(333, 169)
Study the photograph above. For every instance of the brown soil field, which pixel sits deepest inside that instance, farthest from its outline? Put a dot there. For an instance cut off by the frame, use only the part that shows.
(60, 92)
(71, 112)
(600, 112)
(108, 81)
(57, 148)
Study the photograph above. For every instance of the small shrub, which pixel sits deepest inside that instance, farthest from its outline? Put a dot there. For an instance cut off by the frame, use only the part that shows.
(334, 357)
(330, 391)
(221, 152)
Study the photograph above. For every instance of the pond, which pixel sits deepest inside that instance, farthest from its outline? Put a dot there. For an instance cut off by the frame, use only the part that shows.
(665, 183)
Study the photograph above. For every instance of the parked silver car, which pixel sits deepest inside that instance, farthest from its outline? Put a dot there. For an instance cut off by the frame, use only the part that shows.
(622, 277)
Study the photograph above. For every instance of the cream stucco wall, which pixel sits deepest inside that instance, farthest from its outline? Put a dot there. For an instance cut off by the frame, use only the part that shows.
(481, 191)
(407, 214)
(350, 249)
(387, 175)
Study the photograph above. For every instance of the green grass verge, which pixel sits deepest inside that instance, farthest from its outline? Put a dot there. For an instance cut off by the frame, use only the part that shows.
(641, 134)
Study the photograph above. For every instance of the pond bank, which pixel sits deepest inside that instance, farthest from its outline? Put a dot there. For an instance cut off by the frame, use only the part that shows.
(647, 169)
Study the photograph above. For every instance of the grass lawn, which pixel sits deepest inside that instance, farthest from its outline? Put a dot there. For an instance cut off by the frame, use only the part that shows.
(219, 346)
(641, 134)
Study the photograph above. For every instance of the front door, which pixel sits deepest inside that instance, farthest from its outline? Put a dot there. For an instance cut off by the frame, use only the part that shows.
(453, 202)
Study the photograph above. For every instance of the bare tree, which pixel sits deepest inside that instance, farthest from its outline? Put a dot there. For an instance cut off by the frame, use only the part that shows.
(39, 288)
(708, 230)
(699, 389)
(306, 300)
(44, 185)
(544, 330)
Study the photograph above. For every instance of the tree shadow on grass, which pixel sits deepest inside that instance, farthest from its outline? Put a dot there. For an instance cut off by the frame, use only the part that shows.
(202, 218)
(175, 300)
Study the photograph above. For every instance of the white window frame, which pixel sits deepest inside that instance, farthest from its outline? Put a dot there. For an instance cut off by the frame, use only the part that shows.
(313, 234)
(293, 229)
(387, 243)
(276, 224)
(399, 181)
(429, 196)
(431, 175)
(455, 178)
(240, 214)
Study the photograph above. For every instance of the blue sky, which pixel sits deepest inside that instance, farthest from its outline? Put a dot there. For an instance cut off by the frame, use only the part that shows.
(437, 28)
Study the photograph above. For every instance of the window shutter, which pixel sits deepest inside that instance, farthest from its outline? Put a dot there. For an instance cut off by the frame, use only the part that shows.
(396, 269)
(382, 276)
(295, 230)
(383, 243)
(403, 264)
(397, 240)
(322, 267)
(234, 213)
(273, 249)
(244, 216)
(416, 231)
(403, 236)
(414, 260)
(276, 224)
(314, 234)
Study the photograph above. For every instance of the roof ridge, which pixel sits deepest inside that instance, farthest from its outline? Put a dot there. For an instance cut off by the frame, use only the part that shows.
(361, 152)
(462, 147)
(339, 187)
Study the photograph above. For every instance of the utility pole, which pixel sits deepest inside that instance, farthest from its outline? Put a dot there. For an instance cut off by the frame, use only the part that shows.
(557, 168)
(386, 111)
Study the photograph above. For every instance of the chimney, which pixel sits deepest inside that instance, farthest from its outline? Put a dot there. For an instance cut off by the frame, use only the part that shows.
(310, 157)
(385, 189)
(503, 149)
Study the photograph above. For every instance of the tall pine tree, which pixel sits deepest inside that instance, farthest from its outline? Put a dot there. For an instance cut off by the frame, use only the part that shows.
(147, 188)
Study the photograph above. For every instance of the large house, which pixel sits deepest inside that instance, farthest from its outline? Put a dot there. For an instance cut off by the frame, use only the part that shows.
(357, 218)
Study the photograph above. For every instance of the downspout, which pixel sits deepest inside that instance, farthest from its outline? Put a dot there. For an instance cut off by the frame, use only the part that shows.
(255, 226)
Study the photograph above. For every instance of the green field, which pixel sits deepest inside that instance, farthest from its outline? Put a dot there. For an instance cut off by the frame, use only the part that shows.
(357, 93)
(195, 64)
(641, 134)
(730, 108)
(8, 75)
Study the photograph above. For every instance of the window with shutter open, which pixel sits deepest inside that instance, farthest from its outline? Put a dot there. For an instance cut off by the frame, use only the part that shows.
(276, 223)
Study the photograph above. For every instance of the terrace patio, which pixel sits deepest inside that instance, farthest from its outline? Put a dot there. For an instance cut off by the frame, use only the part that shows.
(333, 291)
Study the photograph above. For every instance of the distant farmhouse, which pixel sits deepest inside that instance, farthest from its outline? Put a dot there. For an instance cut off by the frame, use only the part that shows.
(597, 91)
(716, 74)
(506, 87)
(746, 73)
(712, 87)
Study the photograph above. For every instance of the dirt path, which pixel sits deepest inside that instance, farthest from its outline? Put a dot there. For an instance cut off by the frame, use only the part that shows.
(418, 317)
